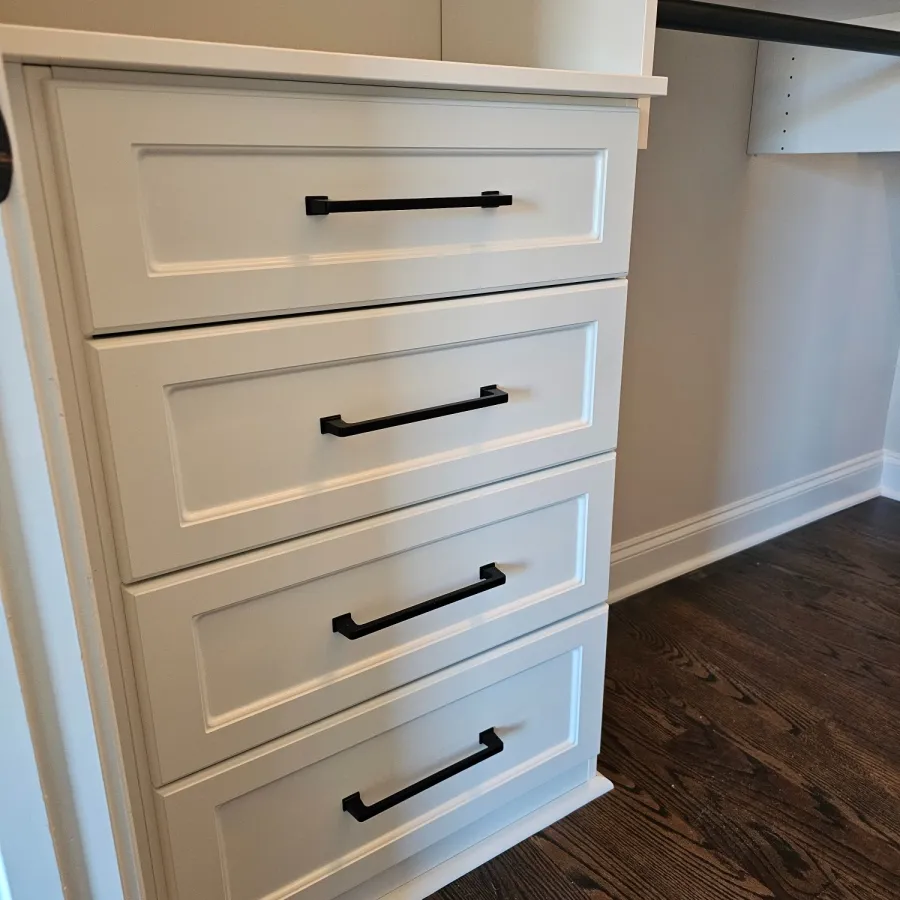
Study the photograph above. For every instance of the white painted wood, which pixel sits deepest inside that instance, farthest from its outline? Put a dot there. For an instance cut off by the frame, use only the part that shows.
(418, 877)
(815, 100)
(241, 829)
(89, 537)
(649, 38)
(590, 35)
(189, 203)
(383, 27)
(237, 653)
(60, 678)
(100, 835)
(213, 440)
(144, 54)
(649, 51)
(651, 559)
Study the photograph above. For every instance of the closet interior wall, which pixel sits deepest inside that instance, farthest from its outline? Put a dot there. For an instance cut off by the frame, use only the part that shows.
(763, 326)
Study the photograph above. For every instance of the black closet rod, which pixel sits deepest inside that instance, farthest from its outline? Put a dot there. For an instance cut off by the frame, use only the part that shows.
(713, 18)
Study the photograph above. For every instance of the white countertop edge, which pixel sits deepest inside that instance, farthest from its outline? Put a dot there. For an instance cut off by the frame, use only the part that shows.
(52, 46)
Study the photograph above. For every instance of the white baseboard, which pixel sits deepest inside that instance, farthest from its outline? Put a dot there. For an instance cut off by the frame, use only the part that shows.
(890, 480)
(486, 849)
(651, 559)
(437, 865)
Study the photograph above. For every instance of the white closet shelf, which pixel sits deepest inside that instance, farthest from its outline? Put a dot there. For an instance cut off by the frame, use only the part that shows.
(118, 51)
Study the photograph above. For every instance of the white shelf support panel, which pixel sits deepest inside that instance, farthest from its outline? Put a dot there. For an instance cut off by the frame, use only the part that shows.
(817, 100)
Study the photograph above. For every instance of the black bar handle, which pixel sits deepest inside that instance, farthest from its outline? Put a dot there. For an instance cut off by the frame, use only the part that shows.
(490, 395)
(490, 577)
(323, 206)
(362, 813)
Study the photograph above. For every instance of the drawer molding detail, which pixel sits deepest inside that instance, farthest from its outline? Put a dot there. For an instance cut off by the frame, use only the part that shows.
(344, 620)
(241, 829)
(236, 653)
(195, 204)
(212, 438)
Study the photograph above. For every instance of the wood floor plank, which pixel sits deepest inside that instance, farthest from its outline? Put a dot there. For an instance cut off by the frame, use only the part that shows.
(752, 731)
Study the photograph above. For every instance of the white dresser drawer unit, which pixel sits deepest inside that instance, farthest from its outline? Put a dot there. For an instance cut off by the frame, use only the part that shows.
(221, 439)
(200, 204)
(322, 810)
(327, 351)
(239, 652)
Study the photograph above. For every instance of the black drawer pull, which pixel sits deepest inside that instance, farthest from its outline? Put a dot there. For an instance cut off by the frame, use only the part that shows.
(490, 395)
(490, 577)
(362, 813)
(323, 206)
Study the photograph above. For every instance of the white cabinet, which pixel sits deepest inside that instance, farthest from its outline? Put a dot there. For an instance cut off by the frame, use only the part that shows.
(239, 652)
(342, 474)
(193, 205)
(216, 438)
(316, 814)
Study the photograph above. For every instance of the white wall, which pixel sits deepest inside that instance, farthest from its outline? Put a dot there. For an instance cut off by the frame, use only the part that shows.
(27, 857)
(763, 321)
(890, 484)
(381, 27)
(552, 34)
(892, 432)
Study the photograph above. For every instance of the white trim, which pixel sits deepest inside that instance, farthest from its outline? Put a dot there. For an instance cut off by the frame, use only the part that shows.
(486, 849)
(649, 37)
(38, 601)
(651, 559)
(890, 479)
(53, 46)
(417, 877)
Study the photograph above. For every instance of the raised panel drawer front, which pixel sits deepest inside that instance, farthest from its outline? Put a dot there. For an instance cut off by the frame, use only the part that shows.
(237, 653)
(190, 204)
(221, 439)
(324, 809)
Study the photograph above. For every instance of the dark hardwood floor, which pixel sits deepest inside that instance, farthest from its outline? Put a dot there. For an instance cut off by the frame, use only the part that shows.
(752, 729)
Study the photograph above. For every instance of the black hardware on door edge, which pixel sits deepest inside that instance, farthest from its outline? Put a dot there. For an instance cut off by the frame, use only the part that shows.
(362, 813)
(490, 395)
(6, 160)
(323, 206)
(490, 577)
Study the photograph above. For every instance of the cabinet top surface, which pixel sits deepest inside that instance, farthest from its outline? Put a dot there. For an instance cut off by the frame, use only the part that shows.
(50, 46)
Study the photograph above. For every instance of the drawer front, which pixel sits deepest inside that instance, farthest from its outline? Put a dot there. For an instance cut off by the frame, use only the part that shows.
(241, 829)
(238, 653)
(191, 203)
(214, 437)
